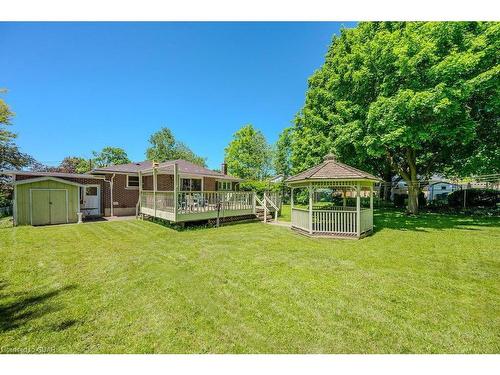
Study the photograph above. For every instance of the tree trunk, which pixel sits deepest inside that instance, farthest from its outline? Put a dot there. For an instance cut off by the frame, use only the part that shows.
(413, 191)
(385, 191)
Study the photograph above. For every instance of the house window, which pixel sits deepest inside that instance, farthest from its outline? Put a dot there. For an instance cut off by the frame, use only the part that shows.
(190, 184)
(443, 187)
(223, 185)
(132, 182)
(91, 191)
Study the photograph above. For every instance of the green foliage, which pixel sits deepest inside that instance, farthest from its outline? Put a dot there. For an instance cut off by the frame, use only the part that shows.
(110, 156)
(421, 96)
(401, 200)
(164, 146)
(74, 164)
(260, 186)
(10, 155)
(474, 198)
(248, 154)
(11, 158)
(282, 153)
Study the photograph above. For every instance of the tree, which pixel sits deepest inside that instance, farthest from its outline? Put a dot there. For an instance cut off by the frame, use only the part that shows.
(409, 95)
(248, 154)
(164, 146)
(74, 164)
(282, 153)
(11, 158)
(110, 156)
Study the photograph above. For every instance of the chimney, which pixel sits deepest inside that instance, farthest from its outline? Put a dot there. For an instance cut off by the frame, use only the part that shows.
(223, 168)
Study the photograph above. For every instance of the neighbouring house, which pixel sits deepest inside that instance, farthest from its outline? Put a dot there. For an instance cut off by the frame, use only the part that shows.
(439, 190)
(277, 179)
(175, 190)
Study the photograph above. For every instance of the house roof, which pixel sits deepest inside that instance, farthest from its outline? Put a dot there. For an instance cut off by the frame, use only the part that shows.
(50, 174)
(183, 166)
(331, 169)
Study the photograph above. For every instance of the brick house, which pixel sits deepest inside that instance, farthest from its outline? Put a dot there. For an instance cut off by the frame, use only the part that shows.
(119, 190)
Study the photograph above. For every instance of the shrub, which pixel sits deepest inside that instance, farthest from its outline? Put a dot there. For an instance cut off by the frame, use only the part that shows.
(474, 198)
(401, 200)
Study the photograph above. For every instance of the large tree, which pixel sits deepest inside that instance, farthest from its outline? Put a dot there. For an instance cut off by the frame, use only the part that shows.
(248, 155)
(164, 146)
(74, 164)
(110, 156)
(11, 158)
(282, 153)
(412, 96)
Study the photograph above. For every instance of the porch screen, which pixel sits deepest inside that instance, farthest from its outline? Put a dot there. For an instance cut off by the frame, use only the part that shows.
(190, 184)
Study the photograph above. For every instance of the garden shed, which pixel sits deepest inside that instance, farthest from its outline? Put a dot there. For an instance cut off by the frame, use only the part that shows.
(326, 200)
(46, 200)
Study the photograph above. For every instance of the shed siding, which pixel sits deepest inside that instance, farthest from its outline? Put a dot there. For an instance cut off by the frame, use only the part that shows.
(23, 215)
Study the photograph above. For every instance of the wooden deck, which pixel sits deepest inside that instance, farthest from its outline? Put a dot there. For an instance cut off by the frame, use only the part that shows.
(194, 206)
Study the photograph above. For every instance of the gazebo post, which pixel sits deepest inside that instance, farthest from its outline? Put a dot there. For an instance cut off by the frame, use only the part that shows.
(310, 208)
(371, 197)
(291, 200)
(358, 210)
(344, 198)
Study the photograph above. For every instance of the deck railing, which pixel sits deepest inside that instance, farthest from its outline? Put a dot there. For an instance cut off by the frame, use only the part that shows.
(206, 201)
(197, 202)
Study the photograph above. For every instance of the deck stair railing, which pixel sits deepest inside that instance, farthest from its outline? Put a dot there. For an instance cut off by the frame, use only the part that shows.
(268, 203)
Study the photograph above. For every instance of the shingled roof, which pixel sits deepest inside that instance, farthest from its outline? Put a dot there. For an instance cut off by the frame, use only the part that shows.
(331, 169)
(184, 166)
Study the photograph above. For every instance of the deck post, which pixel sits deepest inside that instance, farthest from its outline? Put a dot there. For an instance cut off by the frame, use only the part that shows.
(358, 210)
(254, 203)
(140, 193)
(310, 208)
(176, 187)
(265, 208)
(154, 187)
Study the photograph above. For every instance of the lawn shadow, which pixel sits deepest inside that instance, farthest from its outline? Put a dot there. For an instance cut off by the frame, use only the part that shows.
(26, 307)
(399, 220)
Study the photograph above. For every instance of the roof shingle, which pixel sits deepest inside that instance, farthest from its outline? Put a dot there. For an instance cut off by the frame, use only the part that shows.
(331, 169)
(183, 166)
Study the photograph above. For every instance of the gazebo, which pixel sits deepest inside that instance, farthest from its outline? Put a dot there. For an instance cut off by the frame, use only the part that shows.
(326, 200)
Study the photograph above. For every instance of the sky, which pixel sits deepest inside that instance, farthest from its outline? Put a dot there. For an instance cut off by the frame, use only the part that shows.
(78, 87)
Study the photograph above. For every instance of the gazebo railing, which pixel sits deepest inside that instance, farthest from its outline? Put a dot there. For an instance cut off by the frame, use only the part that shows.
(334, 221)
(300, 218)
(366, 221)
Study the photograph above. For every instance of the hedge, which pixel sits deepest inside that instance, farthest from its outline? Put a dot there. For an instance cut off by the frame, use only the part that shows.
(474, 198)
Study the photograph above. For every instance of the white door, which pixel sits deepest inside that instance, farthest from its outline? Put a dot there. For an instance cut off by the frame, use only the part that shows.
(92, 200)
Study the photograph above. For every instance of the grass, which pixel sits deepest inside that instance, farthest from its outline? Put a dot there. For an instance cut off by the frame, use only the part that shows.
(418, 285)
(286, 213)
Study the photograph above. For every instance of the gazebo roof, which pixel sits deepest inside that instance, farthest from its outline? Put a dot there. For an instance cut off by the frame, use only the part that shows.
(331, 169)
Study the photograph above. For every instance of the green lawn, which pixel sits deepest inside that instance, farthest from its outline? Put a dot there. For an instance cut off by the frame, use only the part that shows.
(418, 285)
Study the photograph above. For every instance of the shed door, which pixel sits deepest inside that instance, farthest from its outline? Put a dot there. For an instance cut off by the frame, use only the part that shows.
(58, 209)
(48, 207)
(40, 207)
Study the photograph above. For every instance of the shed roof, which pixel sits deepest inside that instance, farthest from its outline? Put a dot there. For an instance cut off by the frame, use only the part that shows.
(331, 169)
(47, 178)
(52, 174)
